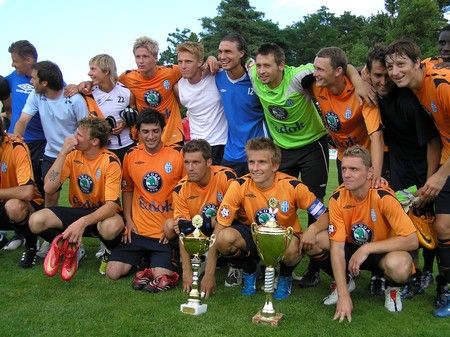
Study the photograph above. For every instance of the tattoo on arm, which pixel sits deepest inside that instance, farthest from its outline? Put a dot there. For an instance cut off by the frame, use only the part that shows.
(52, 175)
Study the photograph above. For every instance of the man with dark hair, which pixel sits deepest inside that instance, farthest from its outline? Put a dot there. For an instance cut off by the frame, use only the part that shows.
(19, 196)
(201, 192)
(432, 88)
(150, 172)
(368, 231)
(24, 56)
(94, 194)
(59, 114)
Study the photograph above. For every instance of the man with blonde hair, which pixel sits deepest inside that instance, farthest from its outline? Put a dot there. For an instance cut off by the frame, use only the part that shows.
(201, 97)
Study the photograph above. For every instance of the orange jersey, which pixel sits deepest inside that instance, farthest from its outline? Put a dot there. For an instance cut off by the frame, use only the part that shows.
(151, 178)
(92, 182)
(16, 168)
(376, 218)
(190, 199)
(157, 93)
(348, 121)
(290, 193)
(434, 95)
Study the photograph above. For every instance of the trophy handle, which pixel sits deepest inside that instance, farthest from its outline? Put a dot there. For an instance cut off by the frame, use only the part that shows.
(212, 239)
(254, 227)
(288, 236)
(181, 237)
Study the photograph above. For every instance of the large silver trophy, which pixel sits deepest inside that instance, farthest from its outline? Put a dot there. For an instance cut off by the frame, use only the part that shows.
(196, 244)
(271, 241)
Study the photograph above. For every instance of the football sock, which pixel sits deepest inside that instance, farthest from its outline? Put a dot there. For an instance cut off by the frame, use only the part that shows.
(428, 258)
(443, 253)
(23, 229)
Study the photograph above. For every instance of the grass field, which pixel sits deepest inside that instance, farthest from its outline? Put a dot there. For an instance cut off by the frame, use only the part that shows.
(32, 304)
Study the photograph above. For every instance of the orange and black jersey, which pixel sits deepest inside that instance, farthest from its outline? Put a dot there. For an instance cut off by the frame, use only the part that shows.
(157, 93)
(434, 95)
(190, 199)
(151, 178)
(290, 193)
(16, 169)
(376, 218)
(347, 120)
(92, 182)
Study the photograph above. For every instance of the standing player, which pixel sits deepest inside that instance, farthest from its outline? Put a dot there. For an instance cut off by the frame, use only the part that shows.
(201, 192)
(94, 191)
(253, 194)
(348, 121)
(200, 96)
(150, 172)
(368, 230)
(432, 88)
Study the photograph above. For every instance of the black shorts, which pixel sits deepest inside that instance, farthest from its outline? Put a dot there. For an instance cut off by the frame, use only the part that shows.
(47, 162)
(372, 262)
(246, 234)
(69, 215)
(154, 253)
(5, 223)
(241, 168)
(405, 173)
(37, 149)
(217, 154)
(311, 161)
(120, 153)
(442, 202)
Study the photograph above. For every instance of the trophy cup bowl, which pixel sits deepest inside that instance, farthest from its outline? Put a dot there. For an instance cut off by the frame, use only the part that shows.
(271, 241)
(196, 244)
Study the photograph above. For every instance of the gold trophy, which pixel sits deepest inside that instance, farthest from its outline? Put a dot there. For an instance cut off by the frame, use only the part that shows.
(196, 244)
(271, 241)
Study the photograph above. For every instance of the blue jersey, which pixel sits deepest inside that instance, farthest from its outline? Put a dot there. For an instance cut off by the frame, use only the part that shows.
(243, 112)
(20, 88)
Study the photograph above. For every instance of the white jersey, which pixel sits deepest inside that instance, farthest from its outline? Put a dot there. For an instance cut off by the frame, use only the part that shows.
(205, 110)
(111, 104)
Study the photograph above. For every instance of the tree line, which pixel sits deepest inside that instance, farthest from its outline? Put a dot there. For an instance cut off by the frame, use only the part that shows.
(419, 20)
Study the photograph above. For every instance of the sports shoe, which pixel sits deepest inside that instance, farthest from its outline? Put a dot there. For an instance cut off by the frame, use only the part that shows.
(104, 263)
(392, 299)
(16, 241)
(426, 279)
(70, 263)
(441, 292)
(284, 288)
(249, 283)
(43, 250)
(377, 286)
(53, 257)
(412, 288)
(310, 278)
(81, 254)
(234, 277)
(142, 278)
(444, 310)
(3, 241)
(28, 258)
(162, 283)
(333, 297)
(101, 251)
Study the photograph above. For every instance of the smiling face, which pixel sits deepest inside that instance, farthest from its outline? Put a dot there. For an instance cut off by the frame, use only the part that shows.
(268, 71)
(98, 76)
(229, 55)
(380, 78)
(402, 70)
(151, 134)
(23, 65)
(324, 73)
(261, 167)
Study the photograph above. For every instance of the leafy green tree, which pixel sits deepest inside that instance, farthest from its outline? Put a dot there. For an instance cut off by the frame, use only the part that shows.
(169, 56)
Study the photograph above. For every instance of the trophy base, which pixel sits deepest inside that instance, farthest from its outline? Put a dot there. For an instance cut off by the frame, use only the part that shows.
(272, 320)
(193, 308)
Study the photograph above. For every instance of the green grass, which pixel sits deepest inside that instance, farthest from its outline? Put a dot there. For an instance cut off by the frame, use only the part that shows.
(32, 304)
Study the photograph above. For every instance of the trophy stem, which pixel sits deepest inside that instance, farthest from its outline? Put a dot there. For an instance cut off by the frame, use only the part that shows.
(194, 305)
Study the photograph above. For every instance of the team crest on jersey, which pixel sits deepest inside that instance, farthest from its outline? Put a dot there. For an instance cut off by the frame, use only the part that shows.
(278, 112)
(331, 230)
(85, 183)
(224, 212)
(289, 102)
(361, 234)
(168, 167)
(152, 182)
(434, 108)
(4, 167)
(153, 98)
(166, 84)
(98, 173)
(373, 215)
(332, 121)
(209, 210)
(263, 215)
(284, 206)
(219, 197)
(348, 113)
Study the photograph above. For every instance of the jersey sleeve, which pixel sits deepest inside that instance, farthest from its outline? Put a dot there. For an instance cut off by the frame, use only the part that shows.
(230, 204)
(308, 201)
(79, 107)
(31, 105)
(24, 171)
(372, 118)
(394, 214)
(113, 180)
(67, 167)
(127, 182)
(336, 228)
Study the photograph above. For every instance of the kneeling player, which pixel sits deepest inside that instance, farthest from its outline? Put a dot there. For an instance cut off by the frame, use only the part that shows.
(368, 230)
